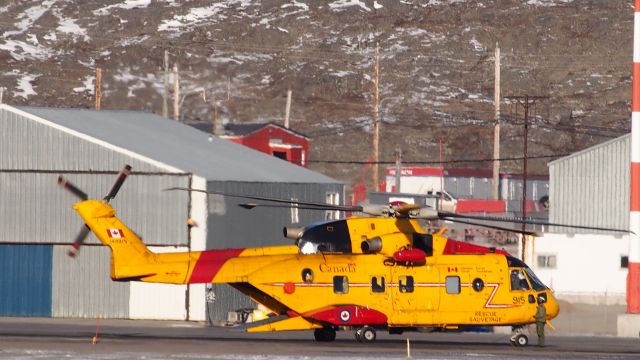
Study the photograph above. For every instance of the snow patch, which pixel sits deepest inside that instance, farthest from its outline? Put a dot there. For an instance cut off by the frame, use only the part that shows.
(476, 45)
(69, 26)
(24, 86)
(197, 16)
(341, 5)
(87, 85)
(29, 17)
(21, 50)
(297, 4)
(126, 5)
(548, 2)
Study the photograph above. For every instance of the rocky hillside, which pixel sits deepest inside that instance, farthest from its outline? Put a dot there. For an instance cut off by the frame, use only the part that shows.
(436, 69)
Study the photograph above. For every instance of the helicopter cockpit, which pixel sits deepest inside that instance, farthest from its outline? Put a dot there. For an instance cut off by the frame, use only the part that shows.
(332, 237)
(519, 273)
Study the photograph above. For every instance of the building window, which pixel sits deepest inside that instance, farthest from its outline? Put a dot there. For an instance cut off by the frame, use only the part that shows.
(295, 217)
(340, 284)
(280, 155)
(377, 284)
(452, 284)
(546, 261)
(405, 284)
(332, 198)
(624, 262)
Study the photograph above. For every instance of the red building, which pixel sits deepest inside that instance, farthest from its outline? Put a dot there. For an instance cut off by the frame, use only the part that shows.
(269, 138)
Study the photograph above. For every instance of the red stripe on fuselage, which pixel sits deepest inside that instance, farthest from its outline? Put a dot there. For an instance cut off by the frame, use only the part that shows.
(209, 263)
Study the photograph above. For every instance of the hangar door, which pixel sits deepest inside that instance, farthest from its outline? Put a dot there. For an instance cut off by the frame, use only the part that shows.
(25, 280)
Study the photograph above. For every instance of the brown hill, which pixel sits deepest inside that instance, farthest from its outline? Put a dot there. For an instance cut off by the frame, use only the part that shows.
(436, 69)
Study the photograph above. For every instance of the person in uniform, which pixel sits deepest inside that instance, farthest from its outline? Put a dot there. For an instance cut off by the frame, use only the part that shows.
(541, 319)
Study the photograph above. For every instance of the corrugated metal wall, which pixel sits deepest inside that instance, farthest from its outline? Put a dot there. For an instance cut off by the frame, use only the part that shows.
(231, 226)
(591, 188)
(82, 286)
(33, 145)
(25, 280)
(36, 210)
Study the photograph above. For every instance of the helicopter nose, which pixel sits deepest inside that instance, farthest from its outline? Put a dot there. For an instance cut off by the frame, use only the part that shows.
(552, 306)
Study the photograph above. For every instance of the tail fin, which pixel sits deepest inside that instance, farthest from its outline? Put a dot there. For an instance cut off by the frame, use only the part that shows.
(129, 256)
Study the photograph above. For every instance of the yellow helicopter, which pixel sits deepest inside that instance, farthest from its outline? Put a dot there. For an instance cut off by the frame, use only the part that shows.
(363, 274)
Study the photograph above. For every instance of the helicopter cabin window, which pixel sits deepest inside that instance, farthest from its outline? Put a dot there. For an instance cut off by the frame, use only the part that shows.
(405, 284)
(377, 284)
(332, 198)
(624, 262)
(295, 218)
(340, 284)
(518, 280)
(546, 261)
(452, 284)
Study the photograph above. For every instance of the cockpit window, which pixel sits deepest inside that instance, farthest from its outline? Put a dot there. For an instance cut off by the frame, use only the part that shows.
(332, 236)
(535, 282)
(518, 280)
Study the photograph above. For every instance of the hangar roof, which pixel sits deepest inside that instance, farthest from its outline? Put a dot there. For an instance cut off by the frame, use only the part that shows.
(178, 145)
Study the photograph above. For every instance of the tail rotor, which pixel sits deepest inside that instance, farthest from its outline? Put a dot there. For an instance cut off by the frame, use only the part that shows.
(84, 232)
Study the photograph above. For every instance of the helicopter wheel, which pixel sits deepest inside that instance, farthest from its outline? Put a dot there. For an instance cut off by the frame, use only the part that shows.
(325, 334)
(519, 340)
(367, 334)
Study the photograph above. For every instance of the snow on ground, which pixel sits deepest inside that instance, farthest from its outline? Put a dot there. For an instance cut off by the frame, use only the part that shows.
(69, 26)
(341, 5)
(126, 5)
(87, 85)
(208, 14)
(135, 82)
(21, 50)
(194, 17)
(24, 87)
(29, 17)
(548, 2)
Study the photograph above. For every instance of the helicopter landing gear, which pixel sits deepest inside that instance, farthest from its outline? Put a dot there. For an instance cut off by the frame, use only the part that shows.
(519, 338)
(325, 334)
(365, 334)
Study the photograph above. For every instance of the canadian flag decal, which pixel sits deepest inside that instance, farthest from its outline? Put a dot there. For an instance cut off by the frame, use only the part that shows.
(115, 233)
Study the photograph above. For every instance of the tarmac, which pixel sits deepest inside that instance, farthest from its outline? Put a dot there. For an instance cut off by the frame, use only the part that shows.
(46, 338)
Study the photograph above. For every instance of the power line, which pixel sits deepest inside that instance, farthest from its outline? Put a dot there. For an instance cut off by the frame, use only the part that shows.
(435, 162)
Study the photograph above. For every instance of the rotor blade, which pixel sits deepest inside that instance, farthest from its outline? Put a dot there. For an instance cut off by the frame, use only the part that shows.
(72, 188)
(527, 222)
(116, 186)
(491, 226)
(319, 206)
(250, 206)
(82, 235)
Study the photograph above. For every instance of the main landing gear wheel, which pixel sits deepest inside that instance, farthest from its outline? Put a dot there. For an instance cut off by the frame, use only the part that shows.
(519, 340)
(325, 334)
(366, 334)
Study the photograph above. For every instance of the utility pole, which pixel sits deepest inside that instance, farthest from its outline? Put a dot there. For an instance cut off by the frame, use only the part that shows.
(176, 94)
(1, 94)
(98, 90)
(496, 130)
(526, 101)
(376, 124)
(165, 95)
(287, 109)
(398, 168)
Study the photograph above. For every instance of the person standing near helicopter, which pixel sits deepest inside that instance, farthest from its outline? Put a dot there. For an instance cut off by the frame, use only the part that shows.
(541, 319)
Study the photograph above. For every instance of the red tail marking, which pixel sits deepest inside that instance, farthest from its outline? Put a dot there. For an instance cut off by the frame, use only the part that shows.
(209, 264)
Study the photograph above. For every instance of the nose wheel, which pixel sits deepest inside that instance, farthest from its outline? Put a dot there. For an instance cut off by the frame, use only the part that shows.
(365, 334)
(519, 340)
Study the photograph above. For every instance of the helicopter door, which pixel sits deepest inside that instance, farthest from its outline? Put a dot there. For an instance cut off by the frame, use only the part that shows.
(414, 288)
